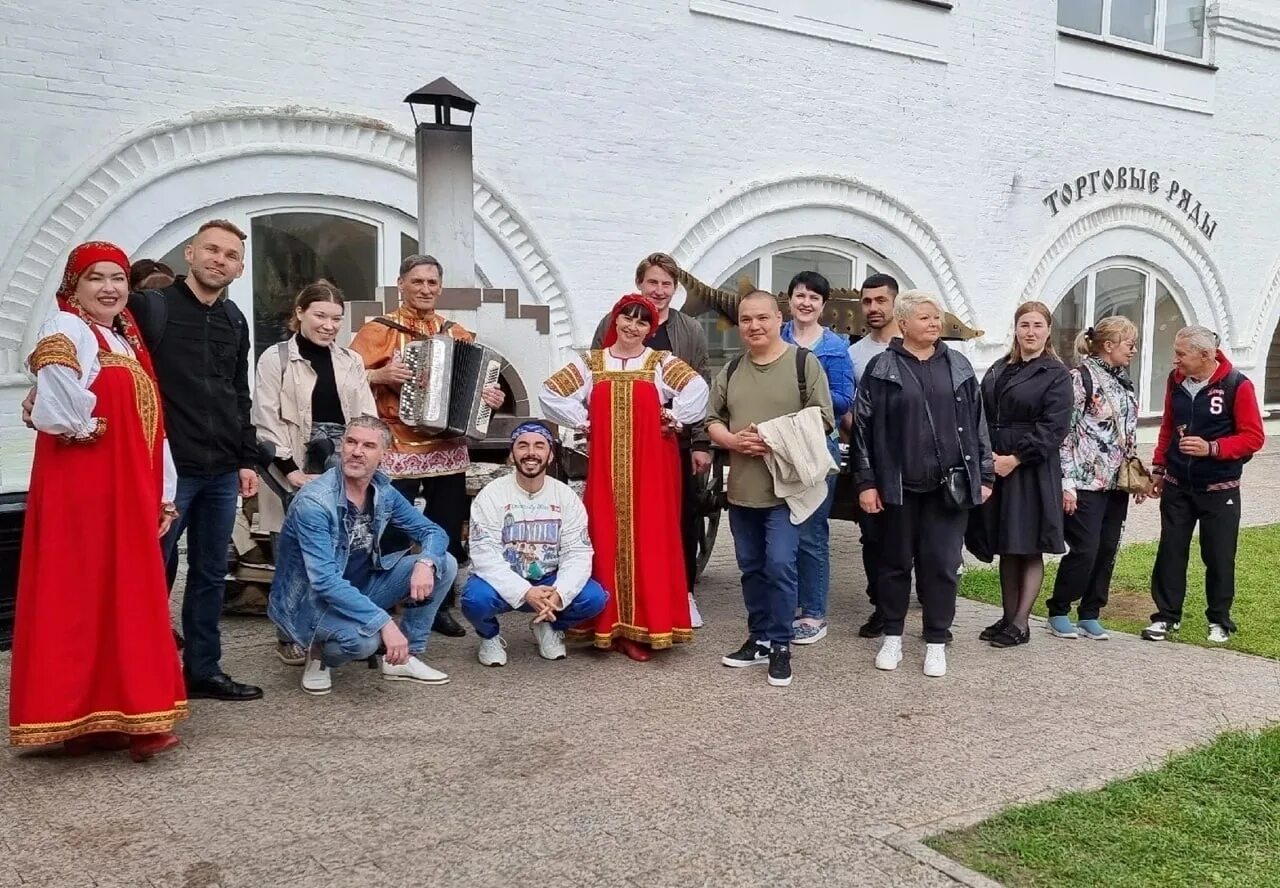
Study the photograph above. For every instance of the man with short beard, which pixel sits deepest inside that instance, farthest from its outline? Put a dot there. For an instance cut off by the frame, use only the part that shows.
(878, 294)
(199, 344)
(335, 584)
(684, 337)
(529, 552)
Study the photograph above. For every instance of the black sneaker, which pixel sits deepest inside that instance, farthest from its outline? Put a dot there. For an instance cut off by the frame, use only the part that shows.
(873, 628)
(780, 666)
(751, 653)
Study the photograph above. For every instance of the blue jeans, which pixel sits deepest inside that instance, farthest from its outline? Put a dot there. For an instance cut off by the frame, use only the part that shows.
(207, 512)
(481, 605)
(767, 543)
(342, 640)
(814, 562)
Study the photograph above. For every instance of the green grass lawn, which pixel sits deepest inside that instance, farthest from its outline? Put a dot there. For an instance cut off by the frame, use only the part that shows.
(1209, 817)
(1255, 611)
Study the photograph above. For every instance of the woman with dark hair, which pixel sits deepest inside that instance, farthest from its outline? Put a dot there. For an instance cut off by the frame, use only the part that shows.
(149, 274)
(1027, 399)
(1102, 433)
(308, 389)
(807, 294)
(615, 395)
(95, 666)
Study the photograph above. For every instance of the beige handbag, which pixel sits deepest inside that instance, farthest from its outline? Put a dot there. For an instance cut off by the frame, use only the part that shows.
(1134, 477)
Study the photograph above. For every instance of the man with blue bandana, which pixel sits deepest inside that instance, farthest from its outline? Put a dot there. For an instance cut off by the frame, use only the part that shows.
(529, 552)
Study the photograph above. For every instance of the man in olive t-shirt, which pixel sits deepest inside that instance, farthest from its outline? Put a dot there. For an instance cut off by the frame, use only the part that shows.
(762, 385)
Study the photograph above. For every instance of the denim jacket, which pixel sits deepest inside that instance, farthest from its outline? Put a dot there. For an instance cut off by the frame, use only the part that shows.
(832, 352)
(311, 555)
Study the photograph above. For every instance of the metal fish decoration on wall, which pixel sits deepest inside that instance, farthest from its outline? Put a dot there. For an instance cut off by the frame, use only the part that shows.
(843, 311)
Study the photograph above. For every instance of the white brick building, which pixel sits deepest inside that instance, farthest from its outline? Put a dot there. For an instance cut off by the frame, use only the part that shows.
(985, 150)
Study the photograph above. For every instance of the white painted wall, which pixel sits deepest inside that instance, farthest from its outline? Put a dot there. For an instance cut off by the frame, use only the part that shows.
(606, 130)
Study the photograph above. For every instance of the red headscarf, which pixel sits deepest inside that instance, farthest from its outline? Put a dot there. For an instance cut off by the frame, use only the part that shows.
(83, 258)
(611, 334)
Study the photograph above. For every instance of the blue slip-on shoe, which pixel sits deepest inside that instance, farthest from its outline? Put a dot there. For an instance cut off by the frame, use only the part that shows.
(1092, 629)
(1062, 627)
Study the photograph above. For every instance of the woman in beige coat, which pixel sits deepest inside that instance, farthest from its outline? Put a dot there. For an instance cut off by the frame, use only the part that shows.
(308, 388)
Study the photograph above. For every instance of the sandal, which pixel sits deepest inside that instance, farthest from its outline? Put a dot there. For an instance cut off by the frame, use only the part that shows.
(1011, 636)
(993, 630)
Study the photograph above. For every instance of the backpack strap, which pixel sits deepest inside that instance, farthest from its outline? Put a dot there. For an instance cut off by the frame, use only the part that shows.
(733, 368)
(1086, 382)
(802, 357)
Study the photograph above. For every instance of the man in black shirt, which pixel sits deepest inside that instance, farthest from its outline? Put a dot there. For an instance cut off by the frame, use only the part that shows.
(199, 344)
(683, 337)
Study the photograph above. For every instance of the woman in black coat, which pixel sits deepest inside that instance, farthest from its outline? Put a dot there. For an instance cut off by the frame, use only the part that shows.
(1027, 397)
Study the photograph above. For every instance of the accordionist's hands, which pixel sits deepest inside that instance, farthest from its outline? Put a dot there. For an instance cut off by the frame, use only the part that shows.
(394, 373)
(492, 395)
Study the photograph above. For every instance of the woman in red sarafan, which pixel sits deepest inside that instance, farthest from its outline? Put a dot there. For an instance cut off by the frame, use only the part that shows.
(616, 396)
(95, 666)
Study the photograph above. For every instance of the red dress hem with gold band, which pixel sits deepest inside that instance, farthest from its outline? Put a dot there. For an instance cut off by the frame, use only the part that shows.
(413, 454)
(93, 650)
(633, 511)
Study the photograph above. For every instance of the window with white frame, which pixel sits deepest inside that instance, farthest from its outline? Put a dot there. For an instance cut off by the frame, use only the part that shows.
(1172, 26)
(845, 264)
(1134, 290)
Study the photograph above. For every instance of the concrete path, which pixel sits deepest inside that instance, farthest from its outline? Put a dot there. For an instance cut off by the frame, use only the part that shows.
(600, 771)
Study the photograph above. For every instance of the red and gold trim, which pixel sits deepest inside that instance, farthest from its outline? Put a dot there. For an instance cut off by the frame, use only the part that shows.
(657, 641)
(145, 397)
(96, 722)
(620, 408)
(565, 381)
(58, 350)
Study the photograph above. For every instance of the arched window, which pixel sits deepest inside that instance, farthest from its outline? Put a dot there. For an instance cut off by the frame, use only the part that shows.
(1135, 290)
(846, 264)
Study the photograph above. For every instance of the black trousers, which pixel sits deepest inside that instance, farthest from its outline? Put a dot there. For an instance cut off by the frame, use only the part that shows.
(1218, 514)
(1093, 539)
(689, 520)
(871, 538)
(446, 505)
(926, 534)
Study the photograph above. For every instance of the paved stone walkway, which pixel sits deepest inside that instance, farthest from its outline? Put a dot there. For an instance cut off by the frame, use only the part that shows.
(597, 770)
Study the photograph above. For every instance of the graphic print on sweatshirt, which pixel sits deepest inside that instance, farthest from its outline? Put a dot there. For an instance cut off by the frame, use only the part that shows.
(531, 539)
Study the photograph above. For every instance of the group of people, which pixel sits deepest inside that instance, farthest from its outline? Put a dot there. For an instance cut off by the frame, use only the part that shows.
(147, 430)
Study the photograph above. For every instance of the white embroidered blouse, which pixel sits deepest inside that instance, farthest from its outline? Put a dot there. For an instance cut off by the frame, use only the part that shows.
(564, 397)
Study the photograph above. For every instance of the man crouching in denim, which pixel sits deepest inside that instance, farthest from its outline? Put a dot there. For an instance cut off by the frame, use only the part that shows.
(333, 587)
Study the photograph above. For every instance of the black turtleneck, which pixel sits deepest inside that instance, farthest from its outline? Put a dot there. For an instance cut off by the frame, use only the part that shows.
(325, 406)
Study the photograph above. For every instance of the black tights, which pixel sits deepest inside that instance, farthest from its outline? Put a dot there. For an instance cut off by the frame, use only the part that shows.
(1021, 577)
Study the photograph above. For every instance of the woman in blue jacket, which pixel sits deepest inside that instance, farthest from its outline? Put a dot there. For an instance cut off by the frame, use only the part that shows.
(807, 295)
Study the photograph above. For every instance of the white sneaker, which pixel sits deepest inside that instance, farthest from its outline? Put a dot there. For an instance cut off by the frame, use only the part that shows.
(695, 616)
(1218, 634)
(935, 660)
(316, 678)
(413, 670)
(890, 653)
(493, 651)
(550, 641)
(1159, 630)
(291, 654)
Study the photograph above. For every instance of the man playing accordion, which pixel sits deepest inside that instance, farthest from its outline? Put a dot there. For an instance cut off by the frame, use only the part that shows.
(418, 462)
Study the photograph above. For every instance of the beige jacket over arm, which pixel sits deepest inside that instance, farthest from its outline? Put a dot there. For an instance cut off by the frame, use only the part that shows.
(282, 409)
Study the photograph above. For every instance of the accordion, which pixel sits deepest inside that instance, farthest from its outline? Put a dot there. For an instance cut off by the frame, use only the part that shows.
(443, 395)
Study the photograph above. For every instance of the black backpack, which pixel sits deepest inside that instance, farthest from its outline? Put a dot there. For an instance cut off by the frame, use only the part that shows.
(802, 356)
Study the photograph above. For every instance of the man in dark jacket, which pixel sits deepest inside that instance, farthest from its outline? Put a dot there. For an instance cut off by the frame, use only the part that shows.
(683, 337)
(1210, 428)
(922, 457)
(199, 344)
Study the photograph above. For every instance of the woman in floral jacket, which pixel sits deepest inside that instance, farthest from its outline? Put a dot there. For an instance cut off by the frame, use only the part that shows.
(1104, 421)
